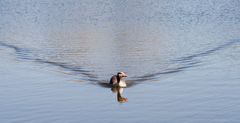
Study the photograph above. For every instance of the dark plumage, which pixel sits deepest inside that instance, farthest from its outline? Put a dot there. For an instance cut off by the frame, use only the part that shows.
(117, 80)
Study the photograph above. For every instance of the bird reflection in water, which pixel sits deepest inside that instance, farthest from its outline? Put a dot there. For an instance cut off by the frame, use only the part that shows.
(119, 92)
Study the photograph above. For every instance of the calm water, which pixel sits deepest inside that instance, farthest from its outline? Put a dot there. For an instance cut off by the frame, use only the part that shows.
(182, 58)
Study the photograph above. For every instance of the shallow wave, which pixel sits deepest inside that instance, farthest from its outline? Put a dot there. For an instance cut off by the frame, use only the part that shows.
(26, 54)
(179, 64)
(206, 52)
(185, 62)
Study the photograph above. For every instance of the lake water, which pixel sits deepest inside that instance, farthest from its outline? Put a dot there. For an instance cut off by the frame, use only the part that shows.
(182, 59)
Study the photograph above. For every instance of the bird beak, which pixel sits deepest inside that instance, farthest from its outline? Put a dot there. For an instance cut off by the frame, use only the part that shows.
(125, 75)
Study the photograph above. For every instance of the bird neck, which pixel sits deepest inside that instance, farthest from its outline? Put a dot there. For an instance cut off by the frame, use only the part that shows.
(118, 79)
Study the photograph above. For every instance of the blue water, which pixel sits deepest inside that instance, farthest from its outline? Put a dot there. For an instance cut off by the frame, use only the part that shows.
(182, 58)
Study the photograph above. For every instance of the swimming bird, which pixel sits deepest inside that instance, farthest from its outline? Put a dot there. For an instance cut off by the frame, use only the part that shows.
(117, 80)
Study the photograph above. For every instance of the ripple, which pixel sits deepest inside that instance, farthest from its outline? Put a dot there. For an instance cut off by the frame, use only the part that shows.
(179, 64)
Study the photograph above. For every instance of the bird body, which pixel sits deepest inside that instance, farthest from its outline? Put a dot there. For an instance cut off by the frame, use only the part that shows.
(117, 80)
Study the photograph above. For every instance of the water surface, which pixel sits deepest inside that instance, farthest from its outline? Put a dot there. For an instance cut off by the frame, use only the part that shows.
(182, 58)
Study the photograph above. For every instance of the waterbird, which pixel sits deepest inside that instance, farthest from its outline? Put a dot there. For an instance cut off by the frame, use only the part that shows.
(118, 81)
